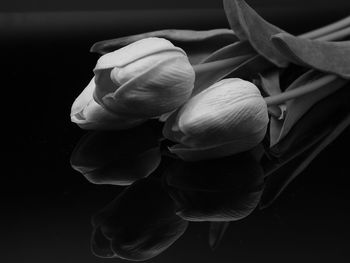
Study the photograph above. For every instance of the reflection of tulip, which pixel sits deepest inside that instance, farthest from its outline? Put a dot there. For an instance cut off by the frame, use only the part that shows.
(117, 158)
(228, 117)
(139, 224)
(225, 189)
(144, 79)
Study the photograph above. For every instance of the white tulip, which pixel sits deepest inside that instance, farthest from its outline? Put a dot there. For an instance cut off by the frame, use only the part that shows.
(229, 117)
(145, 79)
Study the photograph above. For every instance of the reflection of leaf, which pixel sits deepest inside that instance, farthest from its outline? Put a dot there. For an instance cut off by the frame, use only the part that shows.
(216, 233)
(296, 108)
(248, 25)
(138, 225)
(314, 131)
(283, 176)
(331, 57)
(197, 44)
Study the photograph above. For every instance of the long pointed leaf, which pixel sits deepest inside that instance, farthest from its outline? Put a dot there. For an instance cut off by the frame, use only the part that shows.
(331, 57)
(248, 25)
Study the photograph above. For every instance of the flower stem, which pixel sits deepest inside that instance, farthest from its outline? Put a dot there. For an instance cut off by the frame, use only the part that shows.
(302, 90)
(337, 35)
(219, 64)
(327, 30)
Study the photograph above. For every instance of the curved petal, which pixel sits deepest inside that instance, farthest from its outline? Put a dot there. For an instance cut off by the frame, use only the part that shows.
(230, 110)
(134, 51)
(90, 115)
(163, 88)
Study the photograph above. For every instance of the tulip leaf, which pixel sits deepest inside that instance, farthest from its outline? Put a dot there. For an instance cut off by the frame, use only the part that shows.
(248, 25)
(331, 57)
(236, 49)
(296, 108)
(216, 233)
(251, 67)
(270, 82)
(282, 177)
(206, 79)
(197, 44)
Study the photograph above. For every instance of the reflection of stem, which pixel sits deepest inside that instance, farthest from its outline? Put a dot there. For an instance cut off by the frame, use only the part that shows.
(302, 90)
(327, 30)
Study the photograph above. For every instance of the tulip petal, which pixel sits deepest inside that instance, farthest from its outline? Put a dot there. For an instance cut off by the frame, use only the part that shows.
(163, 88)
(226, 110)
(89, 115)
(128, 54)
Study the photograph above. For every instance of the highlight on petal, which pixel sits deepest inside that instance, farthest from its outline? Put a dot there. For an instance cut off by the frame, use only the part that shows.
(162, 88)
(134, 51)
(88, 114)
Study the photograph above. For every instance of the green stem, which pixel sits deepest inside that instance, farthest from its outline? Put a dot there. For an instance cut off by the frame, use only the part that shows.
(295, 93)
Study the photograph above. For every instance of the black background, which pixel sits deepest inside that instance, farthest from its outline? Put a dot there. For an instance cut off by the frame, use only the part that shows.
(47, 206)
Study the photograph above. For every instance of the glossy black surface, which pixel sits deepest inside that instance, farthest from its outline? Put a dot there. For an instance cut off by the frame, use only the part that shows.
(47, 206)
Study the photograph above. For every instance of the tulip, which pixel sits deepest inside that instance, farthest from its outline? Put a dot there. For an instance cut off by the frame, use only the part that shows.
(228, 117)
(144, 79)
(140, 81)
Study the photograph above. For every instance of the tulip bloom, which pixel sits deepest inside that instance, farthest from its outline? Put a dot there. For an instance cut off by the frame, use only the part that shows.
(229, 117)
(143, 80)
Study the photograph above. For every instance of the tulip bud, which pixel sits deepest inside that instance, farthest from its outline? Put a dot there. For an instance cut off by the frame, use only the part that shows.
(228, 117)
(144, 79)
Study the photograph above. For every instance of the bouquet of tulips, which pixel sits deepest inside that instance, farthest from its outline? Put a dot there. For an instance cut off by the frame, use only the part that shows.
(215, 103)
(252, 89)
